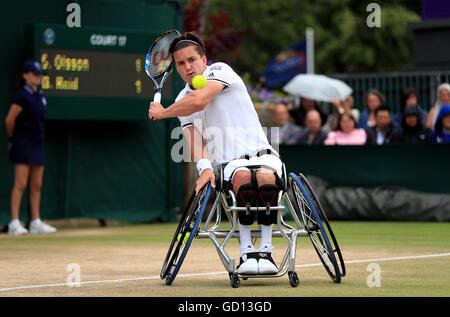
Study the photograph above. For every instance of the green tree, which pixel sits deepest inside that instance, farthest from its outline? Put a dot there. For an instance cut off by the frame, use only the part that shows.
(343, 41)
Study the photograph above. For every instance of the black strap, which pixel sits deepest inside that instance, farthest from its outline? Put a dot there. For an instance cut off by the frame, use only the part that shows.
(260, 153)
(266, 151)
(278, 181)
(253, 178)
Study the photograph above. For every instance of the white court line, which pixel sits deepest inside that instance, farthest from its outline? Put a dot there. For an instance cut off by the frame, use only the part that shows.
(217, 273)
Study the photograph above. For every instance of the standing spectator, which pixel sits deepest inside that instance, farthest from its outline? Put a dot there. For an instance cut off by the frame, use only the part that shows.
(413, 128)
(443, 99)
(25, 129)
(409, 99)
(306, 105)
(339, 108)
(313, 133)
(383, 132)
(347, 132)
(373, 100)
(441, 131)
(289, 133)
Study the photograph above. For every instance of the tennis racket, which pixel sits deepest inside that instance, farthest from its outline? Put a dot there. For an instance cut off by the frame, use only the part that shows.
(158, 62)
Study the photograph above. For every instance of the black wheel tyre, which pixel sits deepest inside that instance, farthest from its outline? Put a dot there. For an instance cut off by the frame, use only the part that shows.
(169, 280)
(309, 209)
(188, 225)
(293, 279)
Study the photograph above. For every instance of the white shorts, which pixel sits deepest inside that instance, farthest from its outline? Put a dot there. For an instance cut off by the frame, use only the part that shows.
(270, 160)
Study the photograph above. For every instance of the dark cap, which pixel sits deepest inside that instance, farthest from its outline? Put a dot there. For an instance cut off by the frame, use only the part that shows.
(32, 66)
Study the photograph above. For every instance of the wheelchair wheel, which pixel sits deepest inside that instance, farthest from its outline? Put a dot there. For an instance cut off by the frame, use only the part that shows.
(184, 235)
(333, 241)
(307, 206)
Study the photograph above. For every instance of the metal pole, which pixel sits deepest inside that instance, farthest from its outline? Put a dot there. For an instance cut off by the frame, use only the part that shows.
(310, 50)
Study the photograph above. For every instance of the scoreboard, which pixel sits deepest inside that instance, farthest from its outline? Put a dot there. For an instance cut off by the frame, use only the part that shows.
(96, 73)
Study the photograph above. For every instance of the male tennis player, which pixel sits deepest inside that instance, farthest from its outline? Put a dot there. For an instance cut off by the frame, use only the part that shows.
(224, 117)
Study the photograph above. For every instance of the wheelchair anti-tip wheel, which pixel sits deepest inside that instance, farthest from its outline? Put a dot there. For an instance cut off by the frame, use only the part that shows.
(234, 280)
(184, 235)
(317, 226)
(293, 279)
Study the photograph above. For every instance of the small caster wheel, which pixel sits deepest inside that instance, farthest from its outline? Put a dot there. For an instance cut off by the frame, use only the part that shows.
(169, 279)
(234, 280)
(293, 279)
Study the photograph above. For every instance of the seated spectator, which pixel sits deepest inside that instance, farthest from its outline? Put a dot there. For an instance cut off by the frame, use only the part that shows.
(409, 99)
(340, 107)
(306, 105)
(313, 133)
(441, 131)
(443, 99)
(413, 127)
(383, 132)
(347, 132)
(373, 100)
(289, 133)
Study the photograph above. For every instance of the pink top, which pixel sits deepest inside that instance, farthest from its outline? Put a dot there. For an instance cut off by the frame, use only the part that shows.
(356, 137)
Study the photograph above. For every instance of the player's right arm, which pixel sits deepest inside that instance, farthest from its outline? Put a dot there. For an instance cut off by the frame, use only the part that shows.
(194, 102)
(199, 152)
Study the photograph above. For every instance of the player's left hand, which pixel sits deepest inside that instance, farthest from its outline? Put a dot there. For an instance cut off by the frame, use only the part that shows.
(155, 111)
(206, 177)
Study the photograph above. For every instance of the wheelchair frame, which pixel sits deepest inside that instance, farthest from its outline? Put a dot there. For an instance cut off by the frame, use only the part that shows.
(309, 221)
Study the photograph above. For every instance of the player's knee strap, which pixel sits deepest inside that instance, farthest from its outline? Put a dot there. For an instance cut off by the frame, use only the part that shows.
(267, 197)
(246, 197)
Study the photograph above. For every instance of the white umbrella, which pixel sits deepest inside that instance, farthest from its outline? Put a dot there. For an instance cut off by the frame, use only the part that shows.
(317, 87)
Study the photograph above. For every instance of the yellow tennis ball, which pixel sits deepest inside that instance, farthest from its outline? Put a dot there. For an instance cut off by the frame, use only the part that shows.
(199, 82)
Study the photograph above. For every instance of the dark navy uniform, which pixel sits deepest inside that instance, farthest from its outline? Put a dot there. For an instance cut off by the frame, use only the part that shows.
(28, 138)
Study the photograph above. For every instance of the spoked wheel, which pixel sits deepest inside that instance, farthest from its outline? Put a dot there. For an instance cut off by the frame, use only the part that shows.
(333, 241)
(184, 235)
(317, 226)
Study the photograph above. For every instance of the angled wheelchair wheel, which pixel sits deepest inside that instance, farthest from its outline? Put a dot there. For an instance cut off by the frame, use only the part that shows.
(333, 241)
(184, 235)
(317, 226)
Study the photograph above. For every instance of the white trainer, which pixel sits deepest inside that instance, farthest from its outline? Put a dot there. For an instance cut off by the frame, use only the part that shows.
(41, 228)
(248, 264)
(17, 229)
(266, 264)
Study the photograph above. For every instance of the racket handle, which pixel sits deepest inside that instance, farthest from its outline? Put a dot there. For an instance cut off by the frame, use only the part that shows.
(157, 97)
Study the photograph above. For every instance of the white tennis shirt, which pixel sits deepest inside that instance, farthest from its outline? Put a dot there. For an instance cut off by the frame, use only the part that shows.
(229, 124)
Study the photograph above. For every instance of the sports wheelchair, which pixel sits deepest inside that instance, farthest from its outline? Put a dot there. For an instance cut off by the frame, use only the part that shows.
(296, 198)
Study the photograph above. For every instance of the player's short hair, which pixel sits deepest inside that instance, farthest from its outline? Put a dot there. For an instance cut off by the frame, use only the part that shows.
(185, 40)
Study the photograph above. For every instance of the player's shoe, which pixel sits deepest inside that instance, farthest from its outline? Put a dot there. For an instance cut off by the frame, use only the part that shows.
(17, 229)
(266, 264)
(41, 228)
(248, 263)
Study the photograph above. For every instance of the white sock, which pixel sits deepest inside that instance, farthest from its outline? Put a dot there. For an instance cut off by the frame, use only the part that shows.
(35, 222)
(266, 238)
(14, 223)
(245, 236)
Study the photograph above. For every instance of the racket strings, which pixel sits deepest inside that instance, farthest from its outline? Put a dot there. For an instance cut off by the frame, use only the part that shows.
(158, 60)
